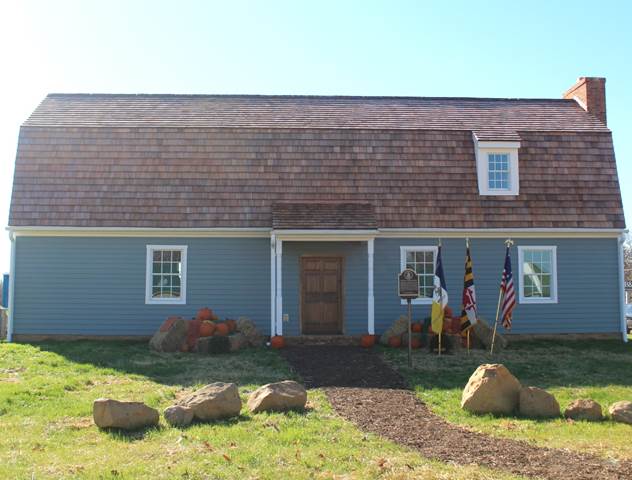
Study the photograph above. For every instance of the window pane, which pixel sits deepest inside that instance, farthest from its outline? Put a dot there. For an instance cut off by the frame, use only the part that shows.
(157, 256)
(157, 268)
(175, 256)
(410, 258)
(175, 292)
(166, 255)
(155, 292)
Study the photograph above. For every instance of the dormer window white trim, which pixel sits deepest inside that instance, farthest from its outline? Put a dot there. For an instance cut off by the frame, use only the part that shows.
(497, 167)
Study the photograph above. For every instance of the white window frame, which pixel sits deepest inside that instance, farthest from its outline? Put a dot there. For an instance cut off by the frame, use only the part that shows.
(482, 150)
(403, 250)
(149, 300)
(553, 286)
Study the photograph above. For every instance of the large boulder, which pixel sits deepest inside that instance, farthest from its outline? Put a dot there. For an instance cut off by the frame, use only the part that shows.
(537, 403)
(491, 389)
(399, 327)
(171, 335)
(178, 416)
(484, 333)
(280, 396)
(108, 413)
(584, 409)
(621, 412)
(247, 327)
(214, 401)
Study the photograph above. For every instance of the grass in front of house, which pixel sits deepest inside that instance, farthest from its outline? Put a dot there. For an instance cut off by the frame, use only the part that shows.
(601, 370)
(46, 395)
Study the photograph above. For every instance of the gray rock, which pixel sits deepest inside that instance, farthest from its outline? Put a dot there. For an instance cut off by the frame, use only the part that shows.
(621, 412)
(538, 403)
(108, 413)
(584, 409)
(280, 396)
(178, 416)
(172, 339)
(214, 401)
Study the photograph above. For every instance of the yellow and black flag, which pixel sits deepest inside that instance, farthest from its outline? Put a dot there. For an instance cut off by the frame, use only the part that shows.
(468, 308)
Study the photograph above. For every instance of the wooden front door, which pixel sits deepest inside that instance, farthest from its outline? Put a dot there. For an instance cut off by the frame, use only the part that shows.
(321, 295)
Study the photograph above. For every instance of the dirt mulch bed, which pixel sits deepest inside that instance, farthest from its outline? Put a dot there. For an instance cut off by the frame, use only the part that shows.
(366, 391)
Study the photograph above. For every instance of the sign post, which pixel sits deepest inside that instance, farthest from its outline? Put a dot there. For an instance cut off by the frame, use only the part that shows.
(409, 289)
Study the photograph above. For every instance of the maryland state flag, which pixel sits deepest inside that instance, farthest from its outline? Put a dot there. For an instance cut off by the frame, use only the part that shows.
(439, 296)
(468, 302)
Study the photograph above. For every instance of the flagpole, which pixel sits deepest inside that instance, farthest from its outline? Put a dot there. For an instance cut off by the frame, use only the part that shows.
(442, 311)
(508, 243)
(468, 340)
(500, 296)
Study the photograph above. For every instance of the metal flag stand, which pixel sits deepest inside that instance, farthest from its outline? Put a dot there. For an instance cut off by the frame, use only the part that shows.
(509, 242)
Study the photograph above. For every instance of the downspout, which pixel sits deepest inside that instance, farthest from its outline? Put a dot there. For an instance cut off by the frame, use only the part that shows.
(11, 288)
(624, 332)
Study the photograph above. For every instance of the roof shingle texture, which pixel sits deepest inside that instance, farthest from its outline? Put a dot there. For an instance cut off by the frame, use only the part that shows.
(323, 215)
(208, 161)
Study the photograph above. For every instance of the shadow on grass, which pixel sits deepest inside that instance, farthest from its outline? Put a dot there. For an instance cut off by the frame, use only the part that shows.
(253, 366)
(130, 435)
(542, 363)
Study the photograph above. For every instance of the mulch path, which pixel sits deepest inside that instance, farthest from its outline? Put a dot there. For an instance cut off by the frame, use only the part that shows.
(366, 391)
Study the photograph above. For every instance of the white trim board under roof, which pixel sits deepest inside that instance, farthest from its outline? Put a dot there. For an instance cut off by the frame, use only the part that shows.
(34, 231)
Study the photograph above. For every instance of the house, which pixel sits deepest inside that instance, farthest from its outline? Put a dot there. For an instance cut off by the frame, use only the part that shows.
(300, 211)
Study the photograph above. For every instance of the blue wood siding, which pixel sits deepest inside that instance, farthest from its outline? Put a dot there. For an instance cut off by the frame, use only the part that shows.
(587, 277)
(96, 286)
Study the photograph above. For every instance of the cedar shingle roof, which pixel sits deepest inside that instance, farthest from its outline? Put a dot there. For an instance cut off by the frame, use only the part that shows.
(223, 161)
(323, 215)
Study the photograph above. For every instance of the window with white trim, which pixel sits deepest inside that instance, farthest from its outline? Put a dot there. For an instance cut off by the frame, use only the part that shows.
(497, 167)
(422, 261)
(166, 275)
(498, 171)
(538, 274)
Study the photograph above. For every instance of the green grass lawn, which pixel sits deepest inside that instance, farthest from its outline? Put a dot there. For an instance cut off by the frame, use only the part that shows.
(46, 394)
(601, 370)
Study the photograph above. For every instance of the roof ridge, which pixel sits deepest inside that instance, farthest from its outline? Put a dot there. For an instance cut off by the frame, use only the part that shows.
(300, 96)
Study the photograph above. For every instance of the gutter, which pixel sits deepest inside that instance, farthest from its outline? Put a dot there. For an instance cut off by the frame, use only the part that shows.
(11, 289)
(624, 332)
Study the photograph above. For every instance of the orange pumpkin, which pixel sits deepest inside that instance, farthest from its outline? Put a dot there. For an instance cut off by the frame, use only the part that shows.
(277, 342)
(415, 343)
(232, 325)
(417, 327)
(204, 314)
(395, 342)
(367, 341)
(207, 329)
(221, 330)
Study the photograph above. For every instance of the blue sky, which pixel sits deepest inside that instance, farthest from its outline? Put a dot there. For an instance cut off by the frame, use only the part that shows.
(439, 48)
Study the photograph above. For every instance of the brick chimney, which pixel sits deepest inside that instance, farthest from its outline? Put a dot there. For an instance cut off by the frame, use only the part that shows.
(590, 93)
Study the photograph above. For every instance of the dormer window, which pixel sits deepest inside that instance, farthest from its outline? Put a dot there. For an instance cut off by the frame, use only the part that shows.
(498, 171)
(497, 167)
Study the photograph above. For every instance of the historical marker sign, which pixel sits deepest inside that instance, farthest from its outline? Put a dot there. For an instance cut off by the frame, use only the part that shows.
(408, 284)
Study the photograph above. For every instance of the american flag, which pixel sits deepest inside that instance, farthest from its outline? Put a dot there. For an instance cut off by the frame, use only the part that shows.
(509, 293)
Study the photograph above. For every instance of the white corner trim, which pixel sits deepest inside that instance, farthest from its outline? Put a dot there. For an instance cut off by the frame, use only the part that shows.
(12, 277)
(279, 286)
(183, 276)
(371, 299)
(621, 279)
(402, 264)
(537, 300)
(272, 285)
